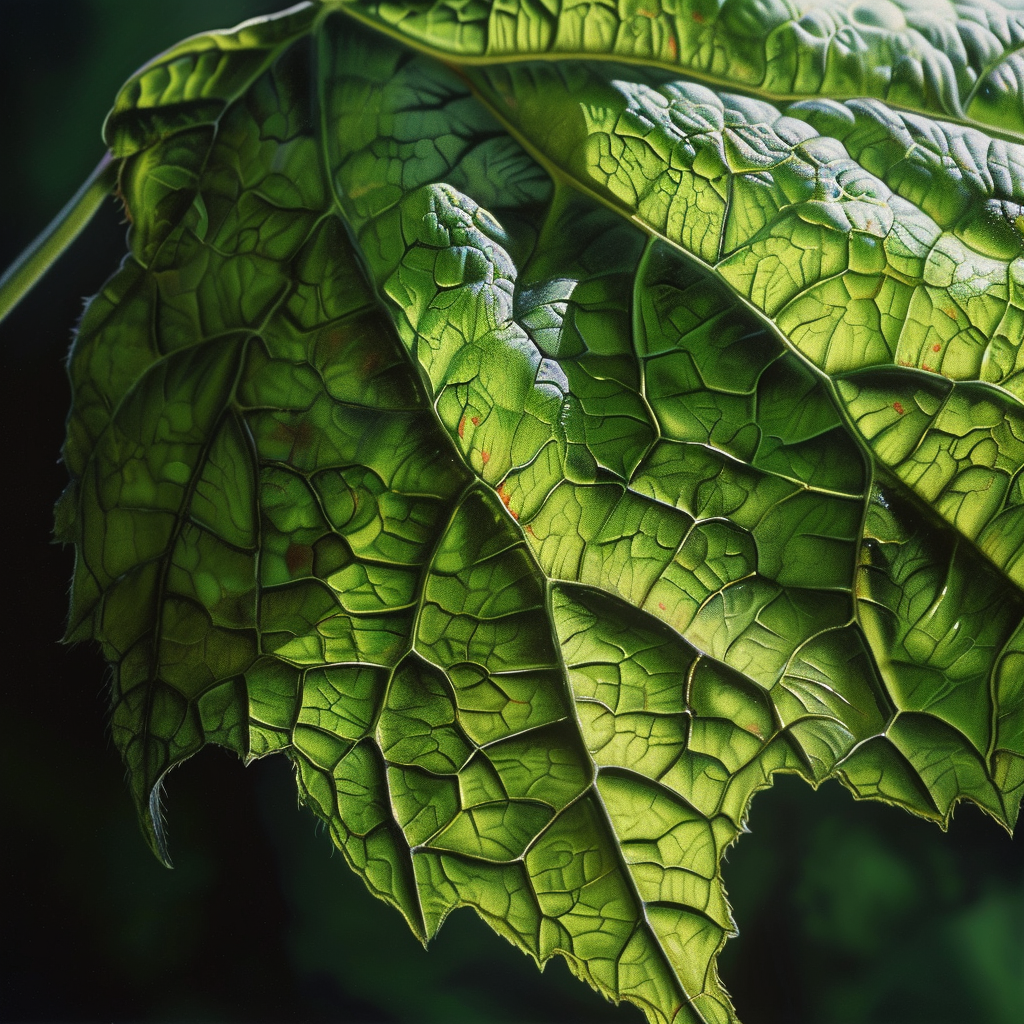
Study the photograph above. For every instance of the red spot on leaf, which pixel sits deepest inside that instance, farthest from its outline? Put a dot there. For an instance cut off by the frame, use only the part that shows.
(898, 407)
(925, 366)
(936, 348)
(698, 17)
(505, 498)
(950, 313)
(298, 558)
(475, 420)
(673, 49)
(661, 605)
(529, 530)
(485, 456)
(462, 427)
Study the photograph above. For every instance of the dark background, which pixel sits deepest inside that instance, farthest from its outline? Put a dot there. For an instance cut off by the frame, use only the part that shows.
(854, 913)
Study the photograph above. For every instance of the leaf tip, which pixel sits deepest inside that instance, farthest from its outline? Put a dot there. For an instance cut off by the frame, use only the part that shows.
(151, 819)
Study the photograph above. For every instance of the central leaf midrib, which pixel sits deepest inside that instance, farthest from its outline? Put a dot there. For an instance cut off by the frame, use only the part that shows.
(623, 866)
(477, 483)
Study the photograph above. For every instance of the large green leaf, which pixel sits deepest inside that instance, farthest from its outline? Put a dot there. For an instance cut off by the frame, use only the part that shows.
(544, 453)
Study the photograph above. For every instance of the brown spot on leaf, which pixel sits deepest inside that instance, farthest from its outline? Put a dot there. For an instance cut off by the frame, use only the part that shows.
(298, 435)
(329, 343)
(298, 558)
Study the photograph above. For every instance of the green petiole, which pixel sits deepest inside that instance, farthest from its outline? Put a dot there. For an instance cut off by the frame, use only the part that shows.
(51, 242)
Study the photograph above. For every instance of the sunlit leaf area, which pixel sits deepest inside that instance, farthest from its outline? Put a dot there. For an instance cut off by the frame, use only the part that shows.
(543, 482)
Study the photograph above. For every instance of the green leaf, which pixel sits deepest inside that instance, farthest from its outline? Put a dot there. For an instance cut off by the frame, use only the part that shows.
(959, 59)
(543, 454)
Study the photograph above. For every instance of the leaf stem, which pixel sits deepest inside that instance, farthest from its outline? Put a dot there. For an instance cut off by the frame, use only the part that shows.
(51, 242)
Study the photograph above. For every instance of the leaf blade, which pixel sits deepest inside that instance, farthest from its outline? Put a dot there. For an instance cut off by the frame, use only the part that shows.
(563, 550)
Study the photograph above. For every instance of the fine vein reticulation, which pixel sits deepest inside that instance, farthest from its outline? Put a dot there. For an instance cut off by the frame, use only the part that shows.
(545, 421)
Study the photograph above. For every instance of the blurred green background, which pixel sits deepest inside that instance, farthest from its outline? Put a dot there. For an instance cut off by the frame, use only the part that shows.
(848, 913)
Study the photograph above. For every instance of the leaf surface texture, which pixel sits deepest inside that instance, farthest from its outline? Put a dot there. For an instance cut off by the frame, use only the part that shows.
(544, 453)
